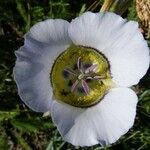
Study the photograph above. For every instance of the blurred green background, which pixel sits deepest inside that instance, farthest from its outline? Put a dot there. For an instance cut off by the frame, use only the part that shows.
(23, 129)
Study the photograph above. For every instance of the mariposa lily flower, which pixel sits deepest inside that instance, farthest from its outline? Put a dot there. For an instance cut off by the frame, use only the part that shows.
(81, 72)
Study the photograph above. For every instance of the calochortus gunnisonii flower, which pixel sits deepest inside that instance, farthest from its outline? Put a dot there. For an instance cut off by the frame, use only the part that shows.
(81, 72)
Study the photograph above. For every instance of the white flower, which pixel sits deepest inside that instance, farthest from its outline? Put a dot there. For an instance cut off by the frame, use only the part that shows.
(80, 72)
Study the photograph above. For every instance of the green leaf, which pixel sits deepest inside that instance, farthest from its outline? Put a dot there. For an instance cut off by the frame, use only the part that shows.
(21, 141)
(4, 115)
(83, 8)
(3, 142)
(25, 126)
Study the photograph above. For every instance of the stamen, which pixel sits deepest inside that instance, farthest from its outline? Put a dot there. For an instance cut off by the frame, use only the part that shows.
(74, 86)
(92, 68)
(69, 70)
(85, 87)
(89, 78)
(80, 65)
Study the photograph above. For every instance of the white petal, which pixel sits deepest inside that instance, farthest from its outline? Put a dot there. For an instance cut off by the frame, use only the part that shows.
(120, 41)
(103, 123)
(53, 31)
(35, 60)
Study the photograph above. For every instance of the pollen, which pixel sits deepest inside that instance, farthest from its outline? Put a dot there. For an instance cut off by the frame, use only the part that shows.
(80, 76)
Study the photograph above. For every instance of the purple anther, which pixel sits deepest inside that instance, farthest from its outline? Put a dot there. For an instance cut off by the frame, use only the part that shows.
(70, 71)
(79, 65)
(89, 78)
(74, 86)
(92, 68)
(85, 87)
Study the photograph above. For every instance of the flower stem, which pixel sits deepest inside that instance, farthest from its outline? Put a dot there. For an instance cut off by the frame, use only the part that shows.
(117, 6)
(107, 5)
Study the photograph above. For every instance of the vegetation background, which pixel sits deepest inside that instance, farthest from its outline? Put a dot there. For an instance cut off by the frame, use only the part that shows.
(23, 129)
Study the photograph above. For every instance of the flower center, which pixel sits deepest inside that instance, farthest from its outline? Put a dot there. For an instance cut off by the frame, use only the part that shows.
(80, 76)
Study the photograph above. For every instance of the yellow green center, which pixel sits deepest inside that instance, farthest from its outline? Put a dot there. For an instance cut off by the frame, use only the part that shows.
(80, 76)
